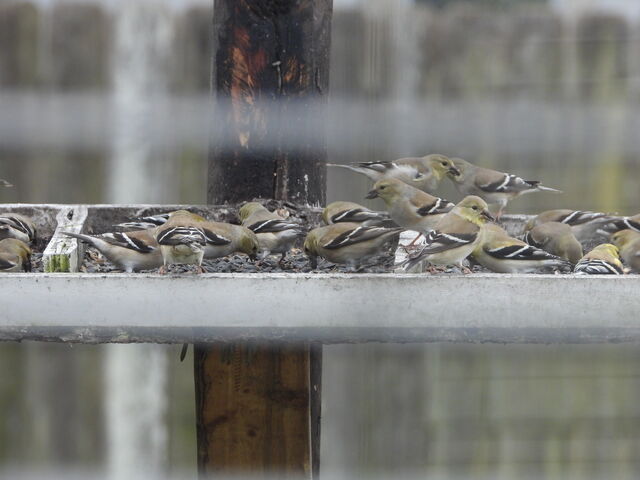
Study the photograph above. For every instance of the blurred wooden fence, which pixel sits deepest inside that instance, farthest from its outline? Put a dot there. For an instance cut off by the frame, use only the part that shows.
(520, 89)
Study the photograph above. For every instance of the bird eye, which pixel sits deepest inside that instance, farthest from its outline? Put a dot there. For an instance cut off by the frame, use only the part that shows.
(382, 187)
(474, 207)
(444, 164)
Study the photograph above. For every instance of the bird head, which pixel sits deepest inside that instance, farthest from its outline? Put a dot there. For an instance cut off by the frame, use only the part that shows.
(311, 247)
(460, 169)
(249, 243)
(441, 165)
(474, 209)
(248, 209)
(624, 237)
(387, 189)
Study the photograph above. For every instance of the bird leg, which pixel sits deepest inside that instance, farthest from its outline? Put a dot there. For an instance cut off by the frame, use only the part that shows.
(200, 269)
(281, 261)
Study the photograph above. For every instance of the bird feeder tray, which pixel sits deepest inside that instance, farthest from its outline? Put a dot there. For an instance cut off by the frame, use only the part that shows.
(307, 307)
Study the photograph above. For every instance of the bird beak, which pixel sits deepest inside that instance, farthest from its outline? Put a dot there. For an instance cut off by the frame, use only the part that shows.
(454, 171)
(253, 257)
(487, 215)
(313, 260)
(372, 194)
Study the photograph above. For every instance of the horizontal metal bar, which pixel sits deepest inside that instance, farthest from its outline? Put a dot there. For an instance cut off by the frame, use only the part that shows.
(335, 308)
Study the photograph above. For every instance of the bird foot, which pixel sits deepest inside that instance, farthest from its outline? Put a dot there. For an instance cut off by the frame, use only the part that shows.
(162, 270)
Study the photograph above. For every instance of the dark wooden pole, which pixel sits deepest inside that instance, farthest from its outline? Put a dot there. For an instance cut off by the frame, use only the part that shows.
(270, 79)
(258, 405)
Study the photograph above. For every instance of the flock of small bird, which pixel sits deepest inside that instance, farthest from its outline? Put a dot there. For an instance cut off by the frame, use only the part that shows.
(353, 235)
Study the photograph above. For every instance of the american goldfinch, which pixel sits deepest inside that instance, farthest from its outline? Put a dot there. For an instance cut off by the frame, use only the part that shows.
(347, 243)
(182, 239)
(583, 224)
(151, 221)
(491, 185)
(17, 226)
(130, 251)
(15, 256)
(274, 233)
(502, 253)
(340, 212)
(455, 236)
(225, 238)
(409, 207)
(602, 260)
(556, 238)
(628, 243)
(624, 223)
(4, 183)
(424, 173)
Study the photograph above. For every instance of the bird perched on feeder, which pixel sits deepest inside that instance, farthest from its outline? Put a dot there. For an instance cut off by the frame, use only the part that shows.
(455, 236)
(424, 173)
(130, 251)
(628, 243)
(182, 239)
(491, 185)
(346, 243)
(409, 207)
(15, 256)
(13, 225)
(583, 224)
(499, 252)
(556, 238)
(340, 212)
(602, 260)
(275, 234)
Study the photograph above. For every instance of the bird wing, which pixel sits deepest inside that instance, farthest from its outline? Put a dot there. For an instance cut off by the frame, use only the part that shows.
(214, 238)
(518, 252)
(6, 264)
(17, 223)
(438, 206)
(357, 235)
(177, 235)
(272, 226)
(122, 239)
(597, 267)
(491, 181)
(441, 242)
(357, 215)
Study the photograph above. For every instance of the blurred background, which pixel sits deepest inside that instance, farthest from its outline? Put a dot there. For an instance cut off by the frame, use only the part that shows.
(108, 101)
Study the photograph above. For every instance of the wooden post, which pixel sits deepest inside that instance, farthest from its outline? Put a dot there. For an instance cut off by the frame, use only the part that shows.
(270, 78)
(258, 405)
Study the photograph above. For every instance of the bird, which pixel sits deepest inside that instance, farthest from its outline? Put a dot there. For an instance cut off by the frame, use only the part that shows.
(491, 185)
(130, 251)
(4, 183)
(410, 207)
(623, 223)
(275, 234)
(15, 256)
(182, 240)
(347, 243)
(556, 238)
(424, 173)
(455, 236)
(584, 224)
(602, 260)
(340, 212)
(499, 252)
(628, 243)
(13, 225)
